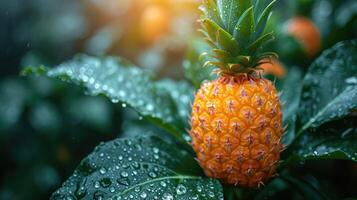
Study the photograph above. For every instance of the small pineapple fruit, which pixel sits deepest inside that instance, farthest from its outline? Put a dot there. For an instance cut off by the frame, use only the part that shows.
(306, 33)
(237, 119)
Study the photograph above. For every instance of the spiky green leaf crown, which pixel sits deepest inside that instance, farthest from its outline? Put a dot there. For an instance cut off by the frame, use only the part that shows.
(235, 31)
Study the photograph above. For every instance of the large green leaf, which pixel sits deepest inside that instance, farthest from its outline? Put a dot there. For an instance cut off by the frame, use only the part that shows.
(122, 82)
(330, 86)
(142, 168)
(329, 94)
(333, 140)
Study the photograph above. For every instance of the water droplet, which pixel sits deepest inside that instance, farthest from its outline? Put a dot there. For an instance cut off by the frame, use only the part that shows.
(150, 107)
(163, 184)
(152, 174)
(115, 100)
(211, 194)
(123, 181)
(124, 174)
(102, 170)
(167, 196)
(96, 185)
(181, 189)
(105, 182)
(199, 188)
(156, 150)
(143, 195)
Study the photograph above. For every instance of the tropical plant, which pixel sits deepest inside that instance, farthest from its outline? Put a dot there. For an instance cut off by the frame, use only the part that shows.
(319, 113)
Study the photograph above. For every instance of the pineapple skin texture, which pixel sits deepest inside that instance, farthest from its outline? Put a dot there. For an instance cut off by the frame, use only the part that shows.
(236, 130)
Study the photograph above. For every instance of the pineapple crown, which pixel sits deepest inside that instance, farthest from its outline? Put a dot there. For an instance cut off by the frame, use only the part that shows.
(235, 31)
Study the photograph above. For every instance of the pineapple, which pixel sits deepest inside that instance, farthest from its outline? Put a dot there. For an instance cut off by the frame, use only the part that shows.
(236, 121)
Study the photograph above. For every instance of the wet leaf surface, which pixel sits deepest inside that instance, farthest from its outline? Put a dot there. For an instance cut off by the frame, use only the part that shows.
(330, 86)
(141, 168)
(122, 82)
(334, 140)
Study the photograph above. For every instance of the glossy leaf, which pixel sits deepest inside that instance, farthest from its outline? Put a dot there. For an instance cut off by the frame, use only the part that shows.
(334, 140)
(142, 168)
(229, 11)
(210, 10)
(120, 81)
(245, 26)
(263, 18)
(330, 86)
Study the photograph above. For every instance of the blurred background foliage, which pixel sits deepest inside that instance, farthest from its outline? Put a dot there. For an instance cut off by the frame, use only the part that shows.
(47, 127)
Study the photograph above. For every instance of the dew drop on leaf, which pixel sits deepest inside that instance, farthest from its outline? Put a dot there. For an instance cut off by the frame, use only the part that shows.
(181, 189)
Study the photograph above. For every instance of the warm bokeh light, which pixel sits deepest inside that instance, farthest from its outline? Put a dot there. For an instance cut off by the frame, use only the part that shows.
(154, 22)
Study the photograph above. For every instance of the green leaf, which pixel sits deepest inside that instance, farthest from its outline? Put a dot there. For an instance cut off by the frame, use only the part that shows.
(120, 81)
(182, 94)
(229, 12)
(330, 86)
(261, 41)
(219, 36)
(334, 140)
(290, 88)
(193, 63)
(245, 26)
(306, 189)
(210, 10)
(263, 18)
(142, 168)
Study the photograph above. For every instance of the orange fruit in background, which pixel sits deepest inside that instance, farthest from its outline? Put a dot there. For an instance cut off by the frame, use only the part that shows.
(274, 67)
(306, 33)
(154, 23)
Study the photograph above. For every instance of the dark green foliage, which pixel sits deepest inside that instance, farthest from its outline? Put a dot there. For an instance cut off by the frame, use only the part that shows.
(142, 168)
